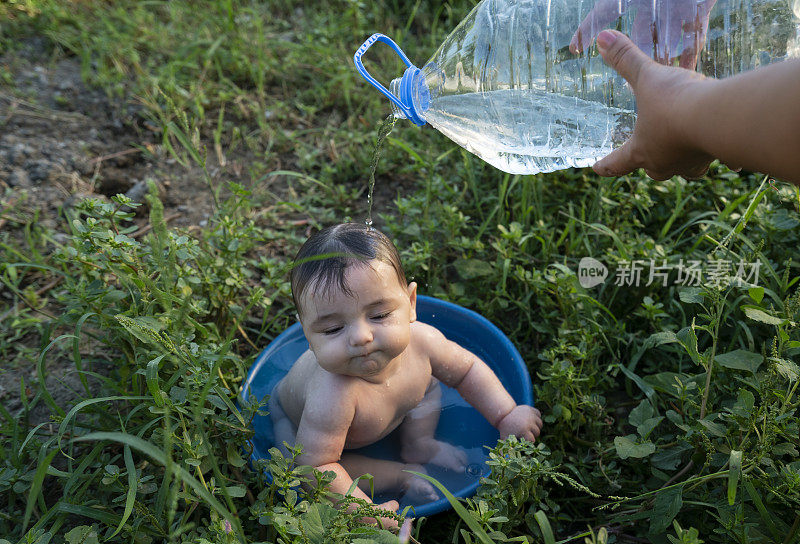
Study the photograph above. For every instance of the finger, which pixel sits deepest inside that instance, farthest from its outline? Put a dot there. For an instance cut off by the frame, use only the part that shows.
(659, 176)
(599, 17)
(622, 55)
(576, 43)
(698, 172)
(617, 163)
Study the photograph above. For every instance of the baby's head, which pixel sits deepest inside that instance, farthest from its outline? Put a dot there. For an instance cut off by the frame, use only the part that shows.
(323, 260)
(352, 299)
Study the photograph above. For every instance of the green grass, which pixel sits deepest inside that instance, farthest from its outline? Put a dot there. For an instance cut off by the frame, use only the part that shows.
(671, 412)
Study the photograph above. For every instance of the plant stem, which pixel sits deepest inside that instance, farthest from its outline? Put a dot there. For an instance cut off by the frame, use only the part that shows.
(793, 531)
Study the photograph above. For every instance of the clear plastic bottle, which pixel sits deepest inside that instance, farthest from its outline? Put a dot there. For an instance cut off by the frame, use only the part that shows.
(519, 85)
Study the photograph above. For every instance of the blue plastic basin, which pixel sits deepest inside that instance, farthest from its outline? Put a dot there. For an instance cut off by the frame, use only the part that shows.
(459, 423)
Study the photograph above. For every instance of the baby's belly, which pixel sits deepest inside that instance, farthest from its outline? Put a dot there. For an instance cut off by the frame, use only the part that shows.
(369, 430)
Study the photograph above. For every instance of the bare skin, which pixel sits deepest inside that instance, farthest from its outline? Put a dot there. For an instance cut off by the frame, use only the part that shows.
(372, 368)
(685, 120)
(666, 30)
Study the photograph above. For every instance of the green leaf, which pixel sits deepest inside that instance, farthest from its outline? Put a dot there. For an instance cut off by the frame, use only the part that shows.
(377, 537)
(788, 369)
(646, 389)
(627, 447)
(740, 359)
(316, 519)
(236, 491)
(734, 473)
(781, 220)
(668, 459)
(761, 316)
(544, 526)
(691, 295)
(713, 428)
(83, 534)
(473, 268)
(666, 506)
(744, 403)
(234, 456)
(756, 293)
(641, 413)
(688, 340)
(647, 426)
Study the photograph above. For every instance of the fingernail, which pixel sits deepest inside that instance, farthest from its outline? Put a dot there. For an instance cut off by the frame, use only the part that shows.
(605, 40)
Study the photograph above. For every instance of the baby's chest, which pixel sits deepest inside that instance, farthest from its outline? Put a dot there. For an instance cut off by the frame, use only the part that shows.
(381, 409)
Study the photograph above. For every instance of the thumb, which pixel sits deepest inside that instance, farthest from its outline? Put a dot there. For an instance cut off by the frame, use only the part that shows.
(622, 55)
(617, 163)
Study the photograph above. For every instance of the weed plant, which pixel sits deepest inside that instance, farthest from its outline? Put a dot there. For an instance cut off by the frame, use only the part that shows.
(670, 407)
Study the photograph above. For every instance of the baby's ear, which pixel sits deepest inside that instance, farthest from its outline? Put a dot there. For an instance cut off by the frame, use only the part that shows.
(412, 295)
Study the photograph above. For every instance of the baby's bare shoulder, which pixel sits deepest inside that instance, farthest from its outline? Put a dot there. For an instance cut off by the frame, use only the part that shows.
(309, 390)
(425, 335)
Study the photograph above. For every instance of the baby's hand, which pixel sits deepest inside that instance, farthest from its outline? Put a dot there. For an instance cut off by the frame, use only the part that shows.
(523, 422)
(385, 523)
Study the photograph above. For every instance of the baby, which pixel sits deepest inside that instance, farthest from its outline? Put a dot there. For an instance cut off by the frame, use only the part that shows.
(371, 368)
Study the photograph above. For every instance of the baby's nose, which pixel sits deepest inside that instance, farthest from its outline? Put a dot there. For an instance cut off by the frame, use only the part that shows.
(361, 334)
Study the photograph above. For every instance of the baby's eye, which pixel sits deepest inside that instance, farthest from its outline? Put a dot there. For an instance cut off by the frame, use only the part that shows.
(332, 330)
(381, 316)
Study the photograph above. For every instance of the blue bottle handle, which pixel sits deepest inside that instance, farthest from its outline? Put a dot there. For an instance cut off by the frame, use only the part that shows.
(378, 37)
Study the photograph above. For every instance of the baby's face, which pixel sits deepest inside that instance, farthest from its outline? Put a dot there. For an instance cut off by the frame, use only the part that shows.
(360, 335)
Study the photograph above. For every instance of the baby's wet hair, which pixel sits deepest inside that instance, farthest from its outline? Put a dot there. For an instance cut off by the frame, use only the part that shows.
(325, 257)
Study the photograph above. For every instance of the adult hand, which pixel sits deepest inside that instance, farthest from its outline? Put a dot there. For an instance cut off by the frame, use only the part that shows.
(659, 143)
(666, 30)
(523, 422)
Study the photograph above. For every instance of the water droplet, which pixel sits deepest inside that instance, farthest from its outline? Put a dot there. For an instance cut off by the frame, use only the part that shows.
(473, 469)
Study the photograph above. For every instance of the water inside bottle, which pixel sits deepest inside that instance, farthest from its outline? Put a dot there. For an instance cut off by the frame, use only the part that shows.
(528, 131)
(383, 131)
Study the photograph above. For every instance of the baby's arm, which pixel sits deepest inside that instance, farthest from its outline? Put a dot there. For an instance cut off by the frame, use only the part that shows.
(322, 433)
(477, 383)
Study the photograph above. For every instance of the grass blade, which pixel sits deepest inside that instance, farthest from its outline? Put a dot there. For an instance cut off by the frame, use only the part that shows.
(133, 484)
(756, 498)
(151, 375)
(157, 455)
(36, 485)
(459, 508)
(734, 473)
(48, 398)
(75, 409)
(544, 526)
